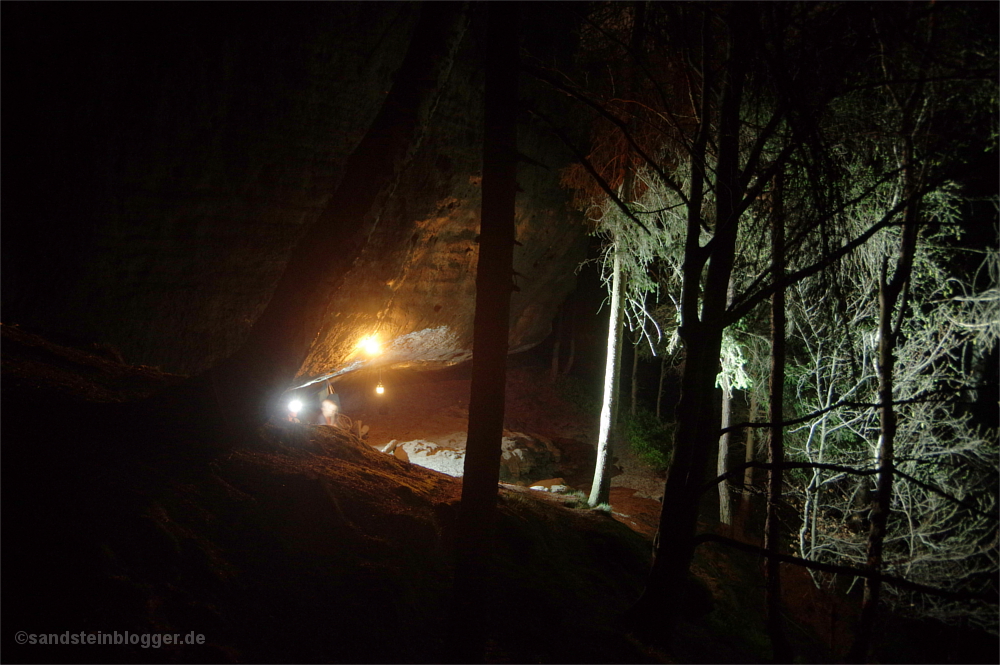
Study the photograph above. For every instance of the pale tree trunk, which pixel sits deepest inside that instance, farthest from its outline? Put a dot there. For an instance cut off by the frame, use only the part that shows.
(600, 490)
(722, 462)
(781, 650)
(475, 574)
(725, 508)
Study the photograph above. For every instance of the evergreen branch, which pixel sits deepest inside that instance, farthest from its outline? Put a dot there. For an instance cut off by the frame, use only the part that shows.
(632, 53)
(591, 170)
(736, 313)
(816, 223)
(613, 119)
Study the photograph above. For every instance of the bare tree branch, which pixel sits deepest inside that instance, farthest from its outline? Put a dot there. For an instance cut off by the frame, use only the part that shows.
(854, 471)
(858, 405)
(989, 597)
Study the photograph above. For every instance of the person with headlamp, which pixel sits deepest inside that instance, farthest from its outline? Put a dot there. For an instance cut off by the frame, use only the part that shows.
(294, 407)
(329, 407)
(328, 411)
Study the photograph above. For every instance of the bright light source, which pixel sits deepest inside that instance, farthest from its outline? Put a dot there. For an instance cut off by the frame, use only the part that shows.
(370, 345)
(295, 406)
(379, 389)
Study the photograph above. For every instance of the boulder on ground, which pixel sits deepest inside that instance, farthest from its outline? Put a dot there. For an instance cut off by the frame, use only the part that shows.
(432, 456)
(523, 458)
(548, 483)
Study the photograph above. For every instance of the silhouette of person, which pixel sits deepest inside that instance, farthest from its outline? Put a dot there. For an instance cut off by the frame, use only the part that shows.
(328, 411)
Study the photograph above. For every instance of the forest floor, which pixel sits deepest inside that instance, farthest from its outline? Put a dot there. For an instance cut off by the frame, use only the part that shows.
(436, 409)
(303, 544)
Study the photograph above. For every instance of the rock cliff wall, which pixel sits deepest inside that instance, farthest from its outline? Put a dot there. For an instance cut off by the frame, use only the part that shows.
(161, 165)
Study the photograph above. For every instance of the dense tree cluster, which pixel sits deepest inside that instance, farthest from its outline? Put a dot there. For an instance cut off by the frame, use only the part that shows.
(782, 190)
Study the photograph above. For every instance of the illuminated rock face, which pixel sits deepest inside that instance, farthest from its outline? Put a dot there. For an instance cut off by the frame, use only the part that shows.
(203, 154)
(414, 284)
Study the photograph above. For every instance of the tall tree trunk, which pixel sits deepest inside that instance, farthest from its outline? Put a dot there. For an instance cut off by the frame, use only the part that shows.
(722, 461)
(892, 295)
(635, 378)
(697, 431)
(889, 297)
(781, 651)
(743, 519)
(245, 387)
(474, 571)
(659, 388)
(600, 490)
(725, 507)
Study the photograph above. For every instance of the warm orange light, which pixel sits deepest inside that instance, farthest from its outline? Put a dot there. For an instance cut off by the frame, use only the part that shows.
(370, 345)
(380, 389)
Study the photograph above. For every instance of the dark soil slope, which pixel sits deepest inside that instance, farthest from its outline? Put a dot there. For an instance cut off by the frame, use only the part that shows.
(301, 544)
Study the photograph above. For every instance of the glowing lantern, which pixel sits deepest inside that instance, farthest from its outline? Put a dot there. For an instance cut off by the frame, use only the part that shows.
(379, 389)
(370, 345)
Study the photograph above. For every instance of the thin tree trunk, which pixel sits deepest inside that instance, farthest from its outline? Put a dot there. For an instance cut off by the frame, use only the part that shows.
(635, 378)
(889, 294)
(659, 389)
(474, 572)
(781, 651)
(244, 386)
(725, 508)
(600, 490)
(722, 461)
(889, 300)
(743, 518)
(696, 435)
